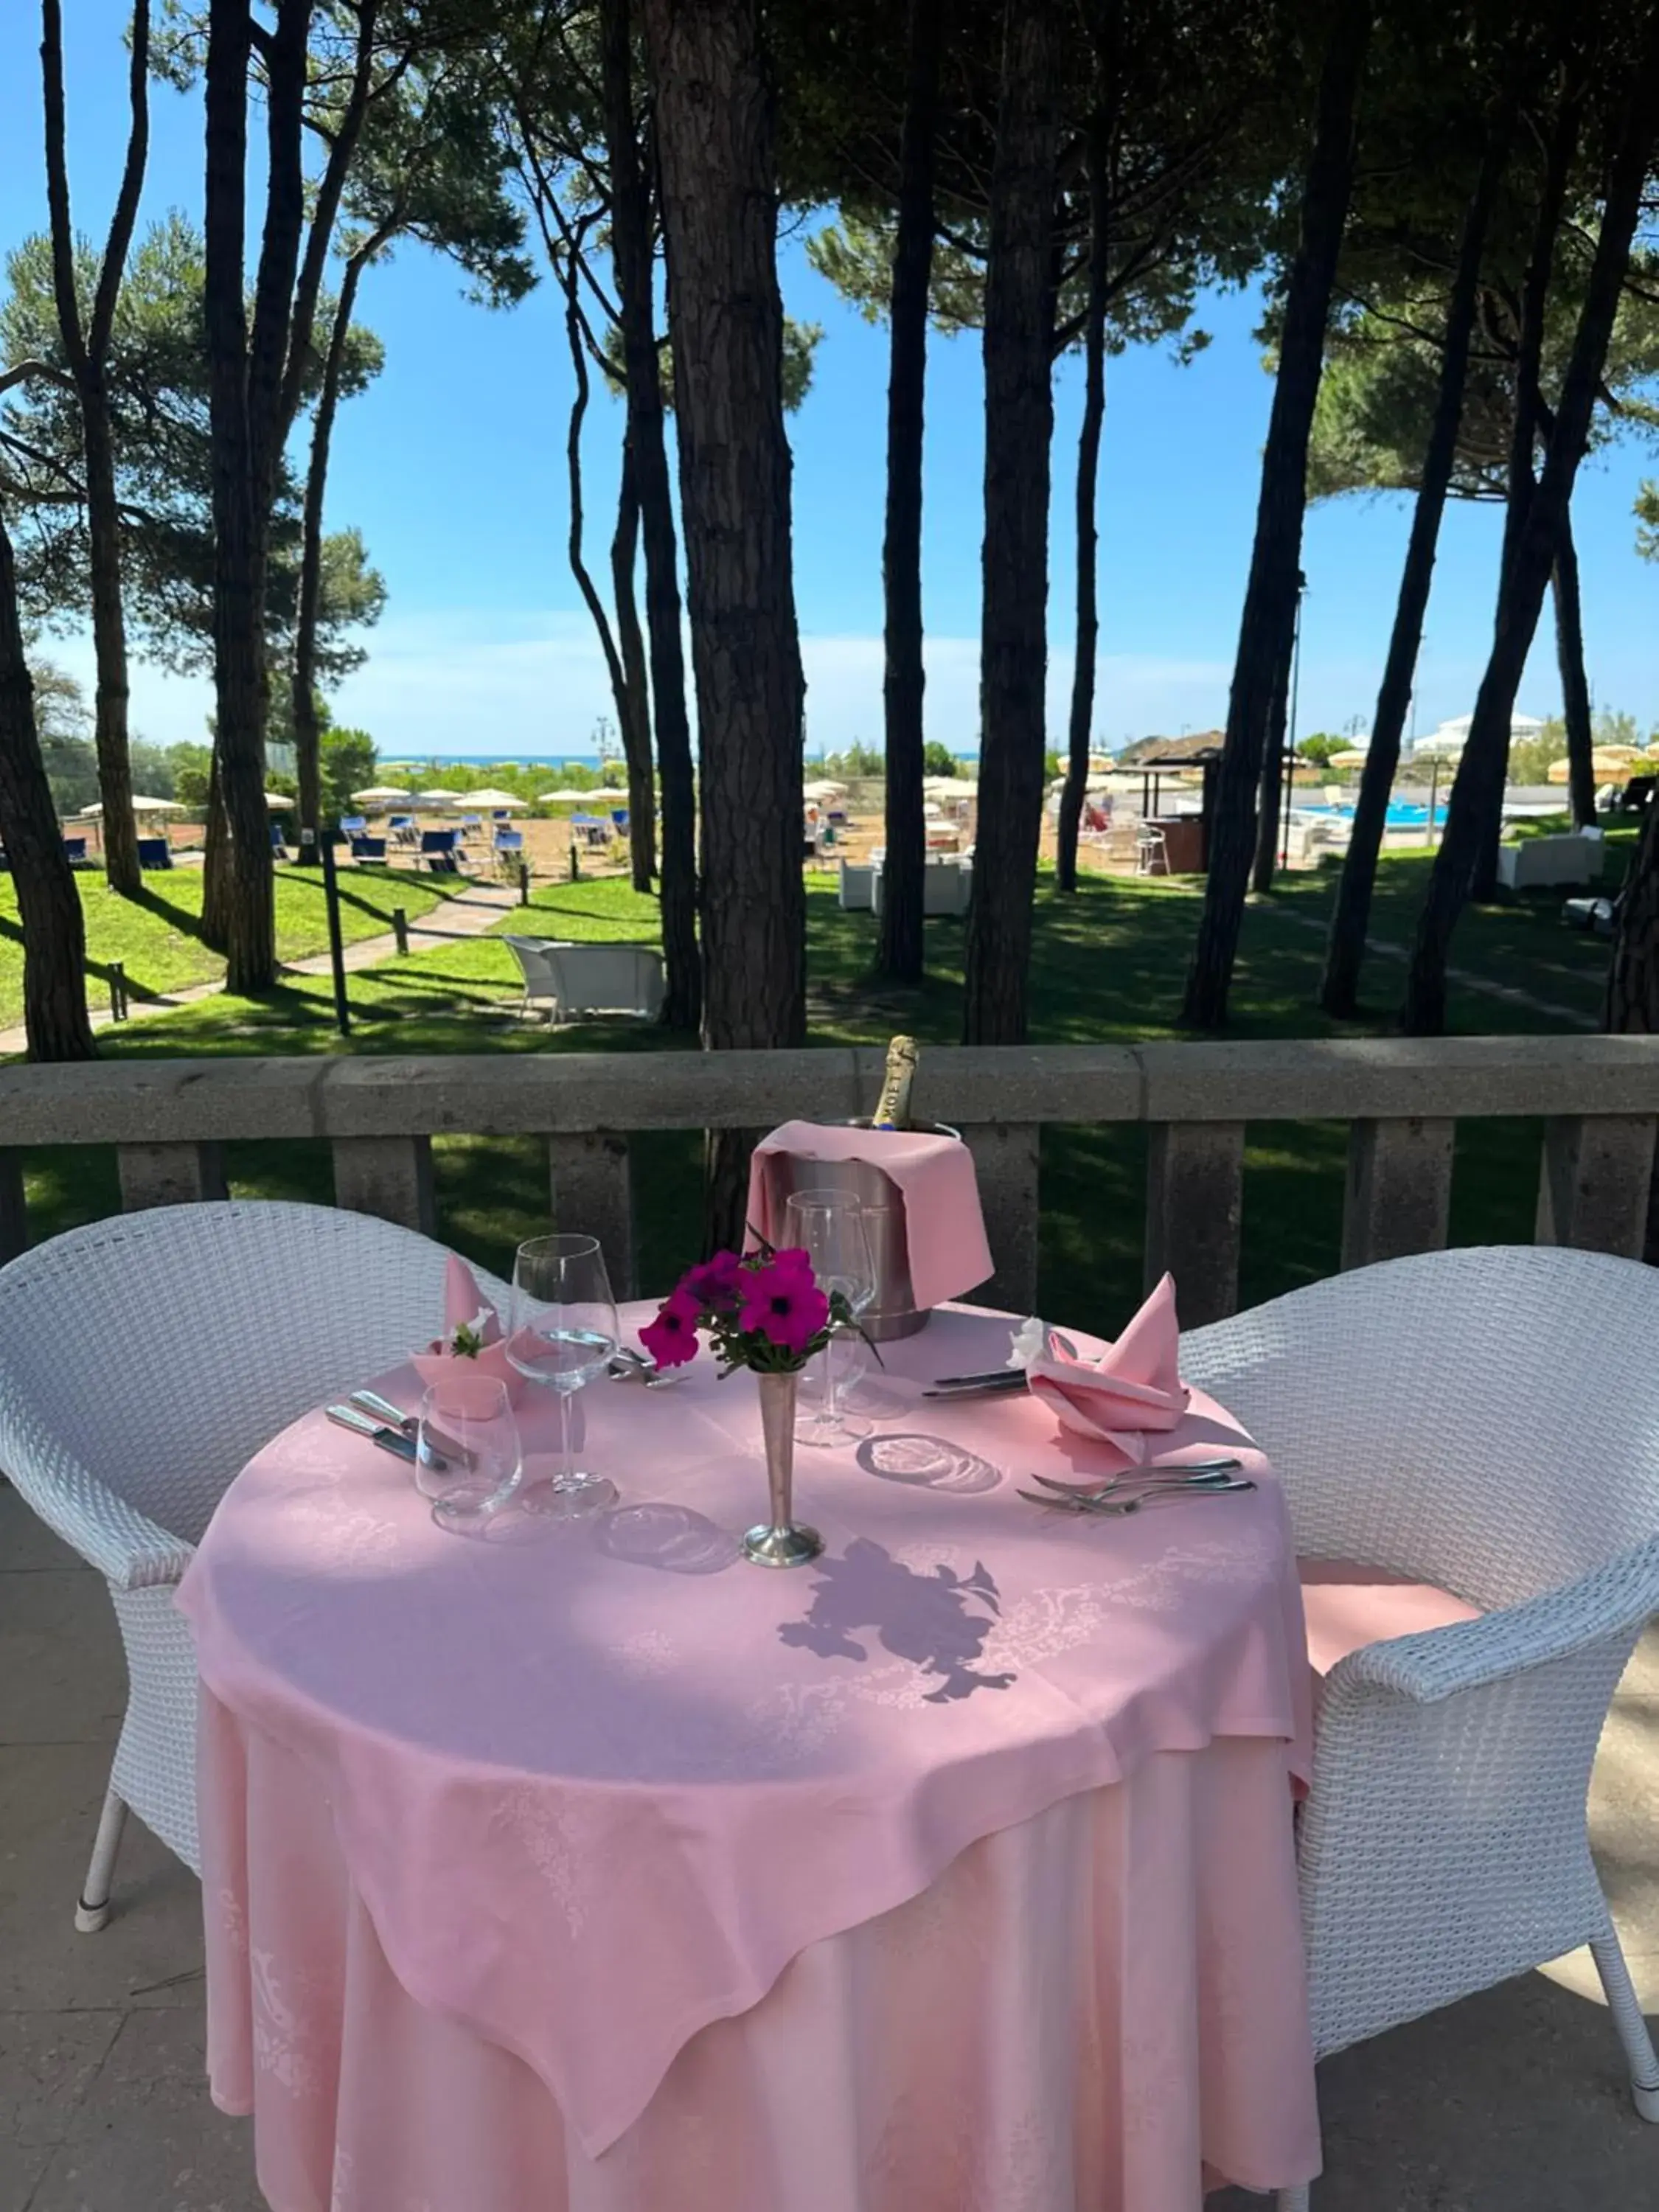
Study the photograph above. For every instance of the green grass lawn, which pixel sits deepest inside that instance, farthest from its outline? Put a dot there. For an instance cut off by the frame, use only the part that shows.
(1107, 968)
(157, 936)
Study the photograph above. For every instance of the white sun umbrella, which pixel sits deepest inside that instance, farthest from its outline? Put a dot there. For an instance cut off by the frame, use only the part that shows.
(561, 797)
(437, 798)
(823, 789)
(498, 801)
(388, 795)
(605, 791)
(141, 804)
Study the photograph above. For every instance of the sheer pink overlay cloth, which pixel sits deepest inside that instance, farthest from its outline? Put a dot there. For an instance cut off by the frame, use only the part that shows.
(944, 1226)
(717, 1857)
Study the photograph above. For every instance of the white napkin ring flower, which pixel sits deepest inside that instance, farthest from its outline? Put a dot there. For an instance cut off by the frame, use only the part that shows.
(1030, 1342)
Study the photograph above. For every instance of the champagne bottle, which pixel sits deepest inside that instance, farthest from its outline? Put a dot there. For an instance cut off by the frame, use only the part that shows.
(893, 1107)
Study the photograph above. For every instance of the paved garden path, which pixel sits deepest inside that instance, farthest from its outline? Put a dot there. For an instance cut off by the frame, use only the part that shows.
(469, 913)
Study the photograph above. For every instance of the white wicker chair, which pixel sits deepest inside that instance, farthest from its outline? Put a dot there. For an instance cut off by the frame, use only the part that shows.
(142, 1361)
(1486, 1420)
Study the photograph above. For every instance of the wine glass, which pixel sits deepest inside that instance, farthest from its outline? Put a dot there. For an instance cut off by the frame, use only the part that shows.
(563, 1332)
(828, 1226)
(467, 1455)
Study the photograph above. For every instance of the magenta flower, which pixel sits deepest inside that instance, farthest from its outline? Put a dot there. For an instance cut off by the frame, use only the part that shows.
(783, 1302)
(714, 1282)
(671, 1338)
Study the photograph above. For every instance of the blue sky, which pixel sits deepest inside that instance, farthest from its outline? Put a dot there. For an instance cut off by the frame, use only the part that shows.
(452, 467)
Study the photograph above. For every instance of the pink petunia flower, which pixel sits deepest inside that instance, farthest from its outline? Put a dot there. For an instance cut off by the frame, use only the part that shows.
(671, 1338)
(784, 1302)
(714, 1282)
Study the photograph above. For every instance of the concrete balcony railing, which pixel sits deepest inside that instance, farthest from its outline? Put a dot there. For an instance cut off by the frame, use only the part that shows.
(1402, 1099)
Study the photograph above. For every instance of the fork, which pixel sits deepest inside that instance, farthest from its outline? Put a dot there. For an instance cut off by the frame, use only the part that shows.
(1110, 1508)
(1197, 1473)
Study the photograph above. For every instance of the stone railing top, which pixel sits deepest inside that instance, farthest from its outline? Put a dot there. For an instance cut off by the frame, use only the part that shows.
(197, 1101)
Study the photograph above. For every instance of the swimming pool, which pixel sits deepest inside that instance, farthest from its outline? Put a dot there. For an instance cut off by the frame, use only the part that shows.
(1403, 814)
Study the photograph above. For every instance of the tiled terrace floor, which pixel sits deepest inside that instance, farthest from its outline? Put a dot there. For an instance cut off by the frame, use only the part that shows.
(1513, 2102)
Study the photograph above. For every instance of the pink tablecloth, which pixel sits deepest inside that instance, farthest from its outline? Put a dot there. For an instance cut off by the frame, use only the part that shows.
(574, 1818)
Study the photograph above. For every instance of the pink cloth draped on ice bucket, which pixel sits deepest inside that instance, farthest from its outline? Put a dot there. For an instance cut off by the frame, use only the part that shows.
(464, 1302)
(1131, 1394)
(944, 1228)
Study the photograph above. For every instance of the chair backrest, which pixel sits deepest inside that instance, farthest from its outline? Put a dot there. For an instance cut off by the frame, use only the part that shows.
(368, 848)
(277, 844)
(530, 952)
(437, 841)
(1486, 1419)
(353, 824)
(154, 852)
(606, 977)
(163, 1348)
(509, 840)
(74, 848)
(619, 816)
(400, 822)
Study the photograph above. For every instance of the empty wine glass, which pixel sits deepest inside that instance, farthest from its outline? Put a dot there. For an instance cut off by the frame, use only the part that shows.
(467, 1455)
(563, 1332)
(828, 1226)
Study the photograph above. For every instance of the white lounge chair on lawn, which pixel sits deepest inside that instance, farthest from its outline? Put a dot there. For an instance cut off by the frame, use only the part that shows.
(1486, 1421)
(588, 979)
(144, 1361)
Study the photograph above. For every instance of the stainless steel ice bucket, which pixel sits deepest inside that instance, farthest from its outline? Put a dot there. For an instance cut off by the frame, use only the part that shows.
(893, 1311)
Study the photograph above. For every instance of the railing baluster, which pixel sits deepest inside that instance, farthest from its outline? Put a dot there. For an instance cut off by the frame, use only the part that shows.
(168, 1175)
(1194, 1184)
(1005, 1163)
(593, 1196)
(388, 1176)
(1399, 1191)
(1593, 1183)
(14, 1210)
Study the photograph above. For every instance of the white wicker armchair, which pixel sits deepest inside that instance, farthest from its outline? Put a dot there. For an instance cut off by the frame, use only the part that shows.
(142, 1361)
(1486, 1420)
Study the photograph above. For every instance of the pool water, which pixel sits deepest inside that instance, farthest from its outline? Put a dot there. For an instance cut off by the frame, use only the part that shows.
(1403, 814)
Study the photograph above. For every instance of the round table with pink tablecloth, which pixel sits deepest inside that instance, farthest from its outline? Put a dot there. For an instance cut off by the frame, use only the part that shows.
(607, 1872)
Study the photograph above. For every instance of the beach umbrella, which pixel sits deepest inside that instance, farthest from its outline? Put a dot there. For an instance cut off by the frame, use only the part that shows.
(823, 789)
(1605, 761)
(1352, 758)
(950, 786)
(279, 801)
(390, 794)
(141, 804)
(497, 800)
(436, 798)
(561, 797)
(605, 791)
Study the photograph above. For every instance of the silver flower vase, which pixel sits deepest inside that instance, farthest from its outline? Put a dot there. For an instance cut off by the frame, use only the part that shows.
(780, 1543)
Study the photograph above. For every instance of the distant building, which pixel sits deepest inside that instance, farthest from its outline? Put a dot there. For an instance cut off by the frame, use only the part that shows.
(1449, 740)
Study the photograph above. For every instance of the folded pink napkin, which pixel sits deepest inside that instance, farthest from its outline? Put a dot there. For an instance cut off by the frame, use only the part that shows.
(1131, 1392)
(944, 1228)
(464, 1302)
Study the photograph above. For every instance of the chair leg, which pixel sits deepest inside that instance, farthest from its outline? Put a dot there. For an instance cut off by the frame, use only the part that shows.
(1294, 2200)
(1626, 2012)
(92, 1913)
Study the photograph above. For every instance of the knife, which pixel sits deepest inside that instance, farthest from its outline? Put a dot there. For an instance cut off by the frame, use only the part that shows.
(408, 1424)
(380, 1432)
(998, 1380)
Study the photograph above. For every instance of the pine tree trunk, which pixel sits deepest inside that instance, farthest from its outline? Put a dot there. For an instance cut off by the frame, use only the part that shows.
(715, 131)
(48, 897)
(87, 353)
(1477, 790)
(1088, 477)
(1270, 598)
(631, 250)
(307, 730)
(1575, 685)
(1018, 432)
(109, 640)
(245, 377)
(1270, 799)
(1525, 426)
(1345, 950)
(1632, 1005)
(218, 892)
(636, 722)
(900, 955)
